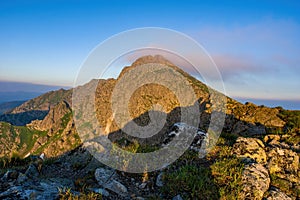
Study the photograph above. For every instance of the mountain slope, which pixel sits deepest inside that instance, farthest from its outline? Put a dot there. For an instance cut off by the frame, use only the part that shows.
(54, 135)
(242, 119)
(51, 112)
(264, 163)
(36, 108)
(44, 102)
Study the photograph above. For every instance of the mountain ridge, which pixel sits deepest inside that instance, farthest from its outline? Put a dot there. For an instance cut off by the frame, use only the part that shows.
(241, 119)
(256, 156)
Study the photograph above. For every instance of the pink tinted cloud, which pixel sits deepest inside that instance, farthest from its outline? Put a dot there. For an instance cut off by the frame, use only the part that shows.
(231, 66)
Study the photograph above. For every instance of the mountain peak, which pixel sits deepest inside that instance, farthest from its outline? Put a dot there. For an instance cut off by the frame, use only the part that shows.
(149, 59)
(152, 59)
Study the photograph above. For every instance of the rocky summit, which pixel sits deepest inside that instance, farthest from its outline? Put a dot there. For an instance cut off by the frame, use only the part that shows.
(42, 155)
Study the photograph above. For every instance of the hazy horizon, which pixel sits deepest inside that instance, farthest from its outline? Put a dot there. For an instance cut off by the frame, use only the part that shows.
(25, 91)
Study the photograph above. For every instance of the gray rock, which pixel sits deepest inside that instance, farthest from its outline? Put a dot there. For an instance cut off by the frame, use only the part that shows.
(105, 178)
(21, 178)
(103, 175)
(256, 181)
(143, 185)
(33, 189)
(200, 141)
(177, 197)
(239, 128)
(159, 182)
(29, 194)
(101, 191)
(117, 187)
(256, 130)
(13, 192)
(32, 171)
(272, 138)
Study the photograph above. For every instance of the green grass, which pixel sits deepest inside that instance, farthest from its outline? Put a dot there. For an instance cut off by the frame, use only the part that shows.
(191, 182)
(65, 119)
(27, 137)
(217, 176)
(227, 174)
(134, 146)
(226, 168)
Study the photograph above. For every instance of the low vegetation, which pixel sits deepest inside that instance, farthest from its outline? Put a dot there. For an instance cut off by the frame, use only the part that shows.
(67, 194)
(292, 119)
(218, 176)
(191, 181)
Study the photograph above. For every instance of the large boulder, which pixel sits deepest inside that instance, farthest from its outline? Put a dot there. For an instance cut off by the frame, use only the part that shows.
(284, 163)
(250, 149)
(255, 181)
(106, 178)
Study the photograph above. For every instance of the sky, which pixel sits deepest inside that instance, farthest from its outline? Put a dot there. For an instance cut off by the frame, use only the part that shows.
(255, 44)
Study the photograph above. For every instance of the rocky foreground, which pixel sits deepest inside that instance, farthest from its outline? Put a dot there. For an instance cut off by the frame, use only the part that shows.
(237, 168)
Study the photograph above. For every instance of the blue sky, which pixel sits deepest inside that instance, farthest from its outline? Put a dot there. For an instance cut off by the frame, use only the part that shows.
(255, 44)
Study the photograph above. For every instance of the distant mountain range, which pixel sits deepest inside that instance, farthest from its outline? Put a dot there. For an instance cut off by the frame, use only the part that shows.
(19, 91)
(17, 96)
(286, 104)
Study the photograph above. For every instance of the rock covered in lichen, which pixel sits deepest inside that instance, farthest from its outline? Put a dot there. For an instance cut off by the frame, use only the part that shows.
(250, 149)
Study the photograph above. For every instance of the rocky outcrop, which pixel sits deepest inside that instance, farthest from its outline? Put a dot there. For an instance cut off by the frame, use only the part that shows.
(60, 130)
(255, 181)
(16, 185)
(199, 143)
(8, 106)
(250, 149)
(268, 165)
(284, 163)
(21, 119)
(254, 114)
(54, 119)
(285, 141)
(54, 135)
